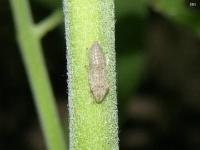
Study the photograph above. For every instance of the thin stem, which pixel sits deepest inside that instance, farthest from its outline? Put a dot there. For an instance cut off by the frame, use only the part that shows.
(92, 125)
(31, 51)
(49, 23)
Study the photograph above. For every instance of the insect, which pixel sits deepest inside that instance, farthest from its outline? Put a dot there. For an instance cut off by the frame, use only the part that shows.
(97, 74)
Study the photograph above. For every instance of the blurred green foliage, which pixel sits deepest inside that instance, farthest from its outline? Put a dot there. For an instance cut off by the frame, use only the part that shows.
(178, 11)
(131, 7)
(130, 70)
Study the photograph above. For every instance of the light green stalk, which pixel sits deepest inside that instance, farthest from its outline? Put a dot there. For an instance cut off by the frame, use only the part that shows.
(30, 46)
(92, 125)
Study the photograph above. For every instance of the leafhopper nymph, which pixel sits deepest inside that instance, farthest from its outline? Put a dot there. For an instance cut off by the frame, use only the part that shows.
(97, 73)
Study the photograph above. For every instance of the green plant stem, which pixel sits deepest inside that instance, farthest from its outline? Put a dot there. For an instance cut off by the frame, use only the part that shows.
(92, 125)
(49, 23)
(31, 51)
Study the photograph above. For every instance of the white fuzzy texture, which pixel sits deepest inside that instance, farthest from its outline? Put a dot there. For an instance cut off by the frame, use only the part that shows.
(92, 125)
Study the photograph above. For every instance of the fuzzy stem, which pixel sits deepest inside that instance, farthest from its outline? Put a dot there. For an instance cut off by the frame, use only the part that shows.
(31, 51)
(92, 125)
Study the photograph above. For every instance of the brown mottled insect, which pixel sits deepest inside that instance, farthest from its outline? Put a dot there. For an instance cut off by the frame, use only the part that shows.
(97, 75)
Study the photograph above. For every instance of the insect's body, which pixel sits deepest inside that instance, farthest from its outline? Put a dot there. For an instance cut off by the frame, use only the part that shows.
(97, 74)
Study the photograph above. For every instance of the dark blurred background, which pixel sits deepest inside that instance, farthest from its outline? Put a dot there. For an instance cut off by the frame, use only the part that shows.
(158, 76)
